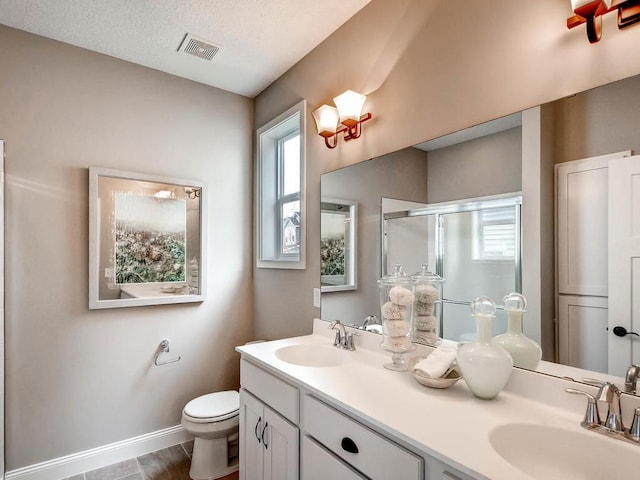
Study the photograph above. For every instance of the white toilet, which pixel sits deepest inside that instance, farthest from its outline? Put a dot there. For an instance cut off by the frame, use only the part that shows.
(213, 420)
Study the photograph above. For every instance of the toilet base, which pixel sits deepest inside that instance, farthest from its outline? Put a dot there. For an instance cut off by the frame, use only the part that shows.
(210, 459)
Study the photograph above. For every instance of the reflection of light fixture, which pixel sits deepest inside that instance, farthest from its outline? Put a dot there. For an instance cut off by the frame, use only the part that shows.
(163, 194)
(348, 113)
(192, 192)
(591, 11)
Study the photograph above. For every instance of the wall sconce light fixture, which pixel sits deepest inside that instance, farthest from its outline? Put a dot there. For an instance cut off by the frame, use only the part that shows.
(590, 12)
(347, 112)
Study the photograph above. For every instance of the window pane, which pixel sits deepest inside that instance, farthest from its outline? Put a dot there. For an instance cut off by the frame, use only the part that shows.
(291, 165)
(291, 227)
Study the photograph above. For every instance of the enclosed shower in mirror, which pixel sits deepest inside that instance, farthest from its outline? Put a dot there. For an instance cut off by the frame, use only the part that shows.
(474, 244)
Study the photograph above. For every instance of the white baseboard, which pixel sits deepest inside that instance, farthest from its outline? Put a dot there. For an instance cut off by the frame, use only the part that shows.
(80, 462)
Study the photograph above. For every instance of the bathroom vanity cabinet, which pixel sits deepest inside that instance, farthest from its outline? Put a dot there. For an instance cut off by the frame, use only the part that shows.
(288, 432)
(268, 441)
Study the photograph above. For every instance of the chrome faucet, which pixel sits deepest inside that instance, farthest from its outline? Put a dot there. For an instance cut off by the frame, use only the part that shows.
(342, 338)
(631, 378)
(610, 394)
(612, 426)
(369, 320)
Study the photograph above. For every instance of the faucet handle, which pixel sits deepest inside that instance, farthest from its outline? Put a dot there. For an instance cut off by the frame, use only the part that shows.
(591, 416)
(634, 430)
(593, 381)
(349, 345)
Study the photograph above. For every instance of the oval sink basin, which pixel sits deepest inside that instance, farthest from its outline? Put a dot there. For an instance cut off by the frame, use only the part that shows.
(312, 355)
(549, 453)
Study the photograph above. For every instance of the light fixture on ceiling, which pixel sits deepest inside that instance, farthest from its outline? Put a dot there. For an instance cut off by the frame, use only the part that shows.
(590, 12)
(347, 112)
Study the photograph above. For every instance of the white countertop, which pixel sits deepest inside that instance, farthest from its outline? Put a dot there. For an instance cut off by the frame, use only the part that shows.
(451, 424)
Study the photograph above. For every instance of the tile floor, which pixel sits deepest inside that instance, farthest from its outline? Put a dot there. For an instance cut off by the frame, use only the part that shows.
(168, 464)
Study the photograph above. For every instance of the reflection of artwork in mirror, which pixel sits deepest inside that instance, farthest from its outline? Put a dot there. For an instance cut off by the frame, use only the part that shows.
(146, 240)
(150, 240)
(338, 223)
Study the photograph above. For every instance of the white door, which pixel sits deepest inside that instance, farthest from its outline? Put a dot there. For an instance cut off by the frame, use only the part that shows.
(582, 332)
(251, 426)
(624, 262)
(280, 443)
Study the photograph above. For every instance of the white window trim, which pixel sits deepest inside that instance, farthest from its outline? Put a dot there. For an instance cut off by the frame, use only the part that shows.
(297, 262)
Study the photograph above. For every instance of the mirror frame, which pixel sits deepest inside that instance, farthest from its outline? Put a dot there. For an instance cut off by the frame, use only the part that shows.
(95, 173)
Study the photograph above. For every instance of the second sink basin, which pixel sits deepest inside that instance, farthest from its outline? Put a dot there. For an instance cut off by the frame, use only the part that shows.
(545, 452)
(313, 355)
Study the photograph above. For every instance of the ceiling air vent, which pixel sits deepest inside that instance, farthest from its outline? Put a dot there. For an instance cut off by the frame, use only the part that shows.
(198, 47)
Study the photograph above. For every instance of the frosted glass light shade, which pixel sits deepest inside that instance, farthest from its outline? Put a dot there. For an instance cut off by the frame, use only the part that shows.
(575, 4)
(326, 118)
(350, 105)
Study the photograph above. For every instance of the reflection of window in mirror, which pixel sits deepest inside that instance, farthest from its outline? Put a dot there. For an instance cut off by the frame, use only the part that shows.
(280, 228)
(146, 240)
(494, 234)
(338, 227)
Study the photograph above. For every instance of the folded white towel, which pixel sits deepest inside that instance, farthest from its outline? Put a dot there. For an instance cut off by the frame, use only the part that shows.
(437, 363)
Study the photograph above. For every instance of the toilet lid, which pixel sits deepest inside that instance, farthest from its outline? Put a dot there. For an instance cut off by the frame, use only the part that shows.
(214, 405)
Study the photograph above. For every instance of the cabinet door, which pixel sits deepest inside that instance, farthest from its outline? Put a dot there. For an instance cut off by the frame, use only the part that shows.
(582, 332)
(251, 425)
(280, 442)
(320, 464)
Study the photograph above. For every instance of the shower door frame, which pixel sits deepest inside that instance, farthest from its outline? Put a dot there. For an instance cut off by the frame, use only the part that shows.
(2, 312)
(513, 199)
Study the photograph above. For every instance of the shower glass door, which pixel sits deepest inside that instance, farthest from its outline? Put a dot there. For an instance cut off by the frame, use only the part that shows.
(474, 244)
(479, 255)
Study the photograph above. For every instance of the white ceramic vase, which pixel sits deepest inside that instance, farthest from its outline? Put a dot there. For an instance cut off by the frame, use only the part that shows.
(525, 352)
(485, 366)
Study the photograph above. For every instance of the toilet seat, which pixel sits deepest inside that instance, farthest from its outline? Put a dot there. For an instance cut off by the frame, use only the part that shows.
(213, 407)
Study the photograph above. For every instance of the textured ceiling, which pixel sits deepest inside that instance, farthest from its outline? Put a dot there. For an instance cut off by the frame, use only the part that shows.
(260, 39)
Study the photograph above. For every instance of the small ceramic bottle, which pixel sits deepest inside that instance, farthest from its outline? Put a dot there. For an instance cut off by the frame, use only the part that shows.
(396, 310)
(525, 352)
(485, 366)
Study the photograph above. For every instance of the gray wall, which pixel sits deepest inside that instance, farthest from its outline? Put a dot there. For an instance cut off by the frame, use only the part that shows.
(428, 67)
(599, 121)
(485, 166)
(78, 379)
(401, 175)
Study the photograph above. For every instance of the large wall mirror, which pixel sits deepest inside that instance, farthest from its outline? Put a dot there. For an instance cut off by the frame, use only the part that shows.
(558, 159)
(146, 240)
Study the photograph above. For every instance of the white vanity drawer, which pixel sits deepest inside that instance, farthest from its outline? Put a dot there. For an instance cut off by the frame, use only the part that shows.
(319, 464)
(376, 457)
(276, 393)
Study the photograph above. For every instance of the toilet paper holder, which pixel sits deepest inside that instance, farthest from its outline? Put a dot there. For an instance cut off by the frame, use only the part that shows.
(162, 349)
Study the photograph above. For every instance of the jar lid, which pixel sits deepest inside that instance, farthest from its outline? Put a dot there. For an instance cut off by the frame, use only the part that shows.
(515, 302)
(483, 306)
(396, 277)
(425, 276)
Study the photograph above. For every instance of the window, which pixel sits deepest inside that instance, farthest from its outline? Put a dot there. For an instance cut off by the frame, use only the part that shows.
(494, 234)
(280, 209)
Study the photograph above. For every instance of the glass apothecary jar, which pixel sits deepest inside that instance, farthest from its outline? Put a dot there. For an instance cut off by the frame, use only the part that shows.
(396, 311)
(427, 307)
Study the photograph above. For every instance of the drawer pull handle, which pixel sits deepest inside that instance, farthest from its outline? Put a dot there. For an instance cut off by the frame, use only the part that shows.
(264, 441)
(349, 445)
(255, 430)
